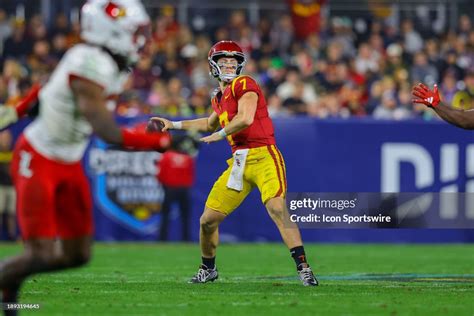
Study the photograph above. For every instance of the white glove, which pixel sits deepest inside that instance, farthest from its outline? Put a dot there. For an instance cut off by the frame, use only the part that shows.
(8, 116)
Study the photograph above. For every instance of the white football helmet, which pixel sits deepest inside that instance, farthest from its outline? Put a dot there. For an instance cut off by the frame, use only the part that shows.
(119, 25)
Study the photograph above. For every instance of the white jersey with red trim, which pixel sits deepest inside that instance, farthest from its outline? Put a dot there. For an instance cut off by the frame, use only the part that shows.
(60, 132)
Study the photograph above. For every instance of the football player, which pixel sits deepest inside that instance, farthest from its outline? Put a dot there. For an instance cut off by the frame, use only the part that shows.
(460, 118)
(241, 111)
(54, 202)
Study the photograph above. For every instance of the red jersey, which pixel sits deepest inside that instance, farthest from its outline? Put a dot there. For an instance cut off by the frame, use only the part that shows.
(176, 170)
(225, 104)
(306, 17)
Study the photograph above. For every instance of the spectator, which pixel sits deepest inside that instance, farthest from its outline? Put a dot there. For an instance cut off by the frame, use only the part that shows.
(328, 61)
(412, 40)
(367, 60)
(237, 22)
(448, 87)
(464, 26)
(59, 46)
(295, 103)
(306, 17)
(16, 46)
(433, 53)
(352, 98)
(464, 99)
(282, 35)
(388, 109)
(74, 37)
(40, 60)
(293, 82)
(330, 107)
(343, 35)
(61, 25)
(144, 74)
(422, 71)
(395, 66)
(5, 29)
(157, 93)
(131, 105)
(405, 104)
(275, 75)
(37, 29)
(13, 72)
(275, 107)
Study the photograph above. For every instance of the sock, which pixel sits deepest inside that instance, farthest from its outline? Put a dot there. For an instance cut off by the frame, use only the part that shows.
(210, 263)
(299, 256)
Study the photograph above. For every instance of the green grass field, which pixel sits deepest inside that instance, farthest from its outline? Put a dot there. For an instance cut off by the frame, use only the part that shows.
(259, 279)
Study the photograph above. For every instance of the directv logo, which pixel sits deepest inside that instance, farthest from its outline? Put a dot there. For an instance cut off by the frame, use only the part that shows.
(394, 154)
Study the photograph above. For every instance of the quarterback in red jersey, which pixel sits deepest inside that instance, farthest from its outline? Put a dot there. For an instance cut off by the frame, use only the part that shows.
(240, 109)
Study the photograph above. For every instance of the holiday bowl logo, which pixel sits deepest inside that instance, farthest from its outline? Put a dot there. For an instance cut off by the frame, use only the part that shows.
(125, 187)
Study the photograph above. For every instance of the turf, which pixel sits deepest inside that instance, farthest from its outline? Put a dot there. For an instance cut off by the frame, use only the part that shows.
(260, 279)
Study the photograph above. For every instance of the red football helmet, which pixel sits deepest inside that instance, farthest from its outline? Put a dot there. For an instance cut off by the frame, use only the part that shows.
(227, 49)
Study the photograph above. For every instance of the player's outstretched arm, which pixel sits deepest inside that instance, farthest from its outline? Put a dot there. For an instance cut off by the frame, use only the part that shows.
(460, 118)
(206, 124)
(90, 101)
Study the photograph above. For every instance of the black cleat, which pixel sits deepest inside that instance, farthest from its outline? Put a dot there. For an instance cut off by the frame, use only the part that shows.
(204, 275)
(307, 277)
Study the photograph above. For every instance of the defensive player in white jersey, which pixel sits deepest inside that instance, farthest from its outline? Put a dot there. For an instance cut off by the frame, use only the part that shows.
(54, 202)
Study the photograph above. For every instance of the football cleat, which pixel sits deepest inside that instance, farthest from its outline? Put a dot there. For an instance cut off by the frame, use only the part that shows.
(204, 275)
(307, 277)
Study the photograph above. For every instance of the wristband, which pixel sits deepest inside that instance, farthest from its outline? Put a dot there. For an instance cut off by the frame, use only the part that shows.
(177, 125)
(222, 133)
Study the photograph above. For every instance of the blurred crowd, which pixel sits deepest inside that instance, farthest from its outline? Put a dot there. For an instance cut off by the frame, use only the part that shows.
(344, 70)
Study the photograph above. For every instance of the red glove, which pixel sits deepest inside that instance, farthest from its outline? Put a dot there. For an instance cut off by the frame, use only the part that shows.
(426, 96)
(139, 140)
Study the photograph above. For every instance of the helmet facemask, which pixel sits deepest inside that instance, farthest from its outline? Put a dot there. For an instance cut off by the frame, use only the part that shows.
(216, 71)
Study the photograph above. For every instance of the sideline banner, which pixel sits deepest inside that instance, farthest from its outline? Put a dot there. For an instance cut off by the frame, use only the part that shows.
(338, 156)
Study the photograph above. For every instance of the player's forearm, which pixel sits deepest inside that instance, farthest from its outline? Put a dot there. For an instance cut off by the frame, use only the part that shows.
(104, 126)
(459, 118)
(200, 125)
(238, 123)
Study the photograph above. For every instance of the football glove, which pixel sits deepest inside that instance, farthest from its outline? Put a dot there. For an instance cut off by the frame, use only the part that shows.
(8, 116)
(425, 96)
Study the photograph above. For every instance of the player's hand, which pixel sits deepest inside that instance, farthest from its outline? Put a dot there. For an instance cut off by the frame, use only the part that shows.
(167, 124)
(215, 137)
(425, 96)
(8, 116)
